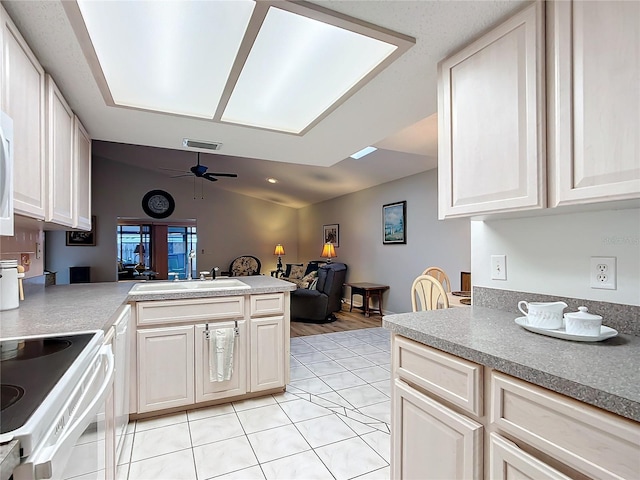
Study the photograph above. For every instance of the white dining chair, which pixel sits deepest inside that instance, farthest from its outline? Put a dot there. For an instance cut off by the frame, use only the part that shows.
(427, 293)
(439, 275)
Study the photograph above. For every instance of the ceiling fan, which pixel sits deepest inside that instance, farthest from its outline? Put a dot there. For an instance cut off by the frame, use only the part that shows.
(200, 171)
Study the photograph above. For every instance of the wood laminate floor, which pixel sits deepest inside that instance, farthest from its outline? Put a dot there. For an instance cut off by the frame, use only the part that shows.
(346, 321)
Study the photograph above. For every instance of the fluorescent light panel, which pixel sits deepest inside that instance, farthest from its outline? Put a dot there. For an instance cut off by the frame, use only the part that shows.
(275, 65)
(171, 57)
(297, 68)
(365, 151)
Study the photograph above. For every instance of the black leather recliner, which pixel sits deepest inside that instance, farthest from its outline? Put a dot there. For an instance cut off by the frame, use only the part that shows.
(319, 304)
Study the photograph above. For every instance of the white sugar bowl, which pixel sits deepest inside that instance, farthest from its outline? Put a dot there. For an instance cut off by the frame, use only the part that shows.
(582, 323)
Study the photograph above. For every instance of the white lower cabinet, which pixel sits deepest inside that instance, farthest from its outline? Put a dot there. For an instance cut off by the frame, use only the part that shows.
(575, 436)
(267, 342)
(431, 440)
(165, 368)
(446, 425)
(173, 361)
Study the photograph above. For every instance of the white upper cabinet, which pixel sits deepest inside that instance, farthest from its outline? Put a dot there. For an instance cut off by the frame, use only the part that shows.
(491, 131)
(60, 164)
(52, 150)
(594, 101)
(23, 99)
(82, 169)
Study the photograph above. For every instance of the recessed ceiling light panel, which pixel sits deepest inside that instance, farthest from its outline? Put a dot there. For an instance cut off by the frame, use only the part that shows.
(172, 57)
(297, 68)
(361, 153)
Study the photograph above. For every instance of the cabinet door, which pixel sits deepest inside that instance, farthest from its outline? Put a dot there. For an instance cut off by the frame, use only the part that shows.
(60, 170)
(82, 175)
(207, 389)
(594, 93)
(429, 440)
(165, 368)
(491, 114)
(508, 462)
(267, 353)
(23, 99)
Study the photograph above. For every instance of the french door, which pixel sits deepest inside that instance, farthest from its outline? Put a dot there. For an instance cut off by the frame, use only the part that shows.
(162, 248)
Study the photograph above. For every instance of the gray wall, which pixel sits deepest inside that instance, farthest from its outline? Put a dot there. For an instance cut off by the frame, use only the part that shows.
(430, 242)
(228, 224)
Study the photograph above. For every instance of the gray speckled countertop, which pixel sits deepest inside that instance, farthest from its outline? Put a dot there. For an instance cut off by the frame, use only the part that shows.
(604, 374)
(64, 308)
(9, 458)
(91, 306)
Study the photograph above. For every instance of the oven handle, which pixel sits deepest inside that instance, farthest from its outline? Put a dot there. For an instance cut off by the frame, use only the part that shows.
(50, 459)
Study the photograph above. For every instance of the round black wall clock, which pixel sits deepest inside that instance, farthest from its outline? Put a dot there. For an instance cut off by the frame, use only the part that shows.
(158, 204)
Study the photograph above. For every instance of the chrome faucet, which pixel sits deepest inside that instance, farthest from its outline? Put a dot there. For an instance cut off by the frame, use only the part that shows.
(192, 255)
(214, 270)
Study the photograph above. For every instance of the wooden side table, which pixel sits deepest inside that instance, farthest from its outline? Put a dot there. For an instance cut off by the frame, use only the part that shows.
(367, 291)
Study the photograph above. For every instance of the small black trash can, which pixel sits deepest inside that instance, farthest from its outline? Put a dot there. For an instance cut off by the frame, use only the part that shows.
(79, 274)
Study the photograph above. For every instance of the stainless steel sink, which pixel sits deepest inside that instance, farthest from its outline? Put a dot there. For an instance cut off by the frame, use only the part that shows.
(188, 286)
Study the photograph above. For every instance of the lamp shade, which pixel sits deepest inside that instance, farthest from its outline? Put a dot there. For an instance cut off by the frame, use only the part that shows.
(328, 251)
(279, 250)
(139, 248)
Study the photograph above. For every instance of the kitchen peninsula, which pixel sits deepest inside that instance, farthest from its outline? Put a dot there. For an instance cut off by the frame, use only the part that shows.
(258, 312)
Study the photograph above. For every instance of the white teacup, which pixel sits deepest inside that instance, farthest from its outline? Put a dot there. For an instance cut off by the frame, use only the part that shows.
(543, 314)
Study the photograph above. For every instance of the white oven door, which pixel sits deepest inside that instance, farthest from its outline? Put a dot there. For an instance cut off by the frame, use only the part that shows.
(75, 444)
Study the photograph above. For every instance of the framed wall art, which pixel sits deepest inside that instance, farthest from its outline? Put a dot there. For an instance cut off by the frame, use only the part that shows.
(394, 223)
(76, 238)
(331, 234)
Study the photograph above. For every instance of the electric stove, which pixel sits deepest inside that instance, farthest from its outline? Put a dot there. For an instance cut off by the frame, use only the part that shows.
(37, 374)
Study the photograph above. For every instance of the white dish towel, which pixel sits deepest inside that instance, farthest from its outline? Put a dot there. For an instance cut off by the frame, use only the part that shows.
(221, 342)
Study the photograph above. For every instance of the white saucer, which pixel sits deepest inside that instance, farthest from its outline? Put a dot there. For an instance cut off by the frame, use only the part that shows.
(605, 332)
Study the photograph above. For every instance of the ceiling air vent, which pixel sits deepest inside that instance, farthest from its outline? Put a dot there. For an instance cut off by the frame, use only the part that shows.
(186, 142)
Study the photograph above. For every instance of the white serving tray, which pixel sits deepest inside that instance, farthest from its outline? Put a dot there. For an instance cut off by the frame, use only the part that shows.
(605, 332)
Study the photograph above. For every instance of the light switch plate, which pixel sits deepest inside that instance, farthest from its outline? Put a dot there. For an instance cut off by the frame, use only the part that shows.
(498, 267)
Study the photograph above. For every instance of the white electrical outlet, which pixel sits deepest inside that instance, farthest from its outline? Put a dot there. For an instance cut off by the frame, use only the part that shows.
(498, 267)
(603, 272)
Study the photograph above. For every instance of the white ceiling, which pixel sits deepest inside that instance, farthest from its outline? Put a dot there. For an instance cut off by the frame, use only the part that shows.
(395, 111)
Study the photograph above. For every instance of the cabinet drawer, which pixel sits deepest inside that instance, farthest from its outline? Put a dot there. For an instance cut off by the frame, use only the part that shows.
(507, 461)
(268, 304)
(451, 378)
(594, 442)
(195, 309)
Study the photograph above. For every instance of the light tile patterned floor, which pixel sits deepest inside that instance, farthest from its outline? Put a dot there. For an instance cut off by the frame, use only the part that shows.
(331, 423)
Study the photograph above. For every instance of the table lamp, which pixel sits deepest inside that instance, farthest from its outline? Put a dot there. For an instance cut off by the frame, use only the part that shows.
(328, 252)
(139, 250)
(279, 251)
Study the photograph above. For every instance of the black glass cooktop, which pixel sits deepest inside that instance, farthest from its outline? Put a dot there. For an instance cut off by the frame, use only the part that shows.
(30, 369)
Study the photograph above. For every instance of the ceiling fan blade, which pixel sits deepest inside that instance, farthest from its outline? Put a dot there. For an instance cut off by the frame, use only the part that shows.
(233, 175)
(171, 169)
(183, 175)
(210, 177)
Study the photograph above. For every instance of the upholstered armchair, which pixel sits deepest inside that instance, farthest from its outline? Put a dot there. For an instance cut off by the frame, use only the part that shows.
(317, 305)
(302, 276)
(244, 265)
